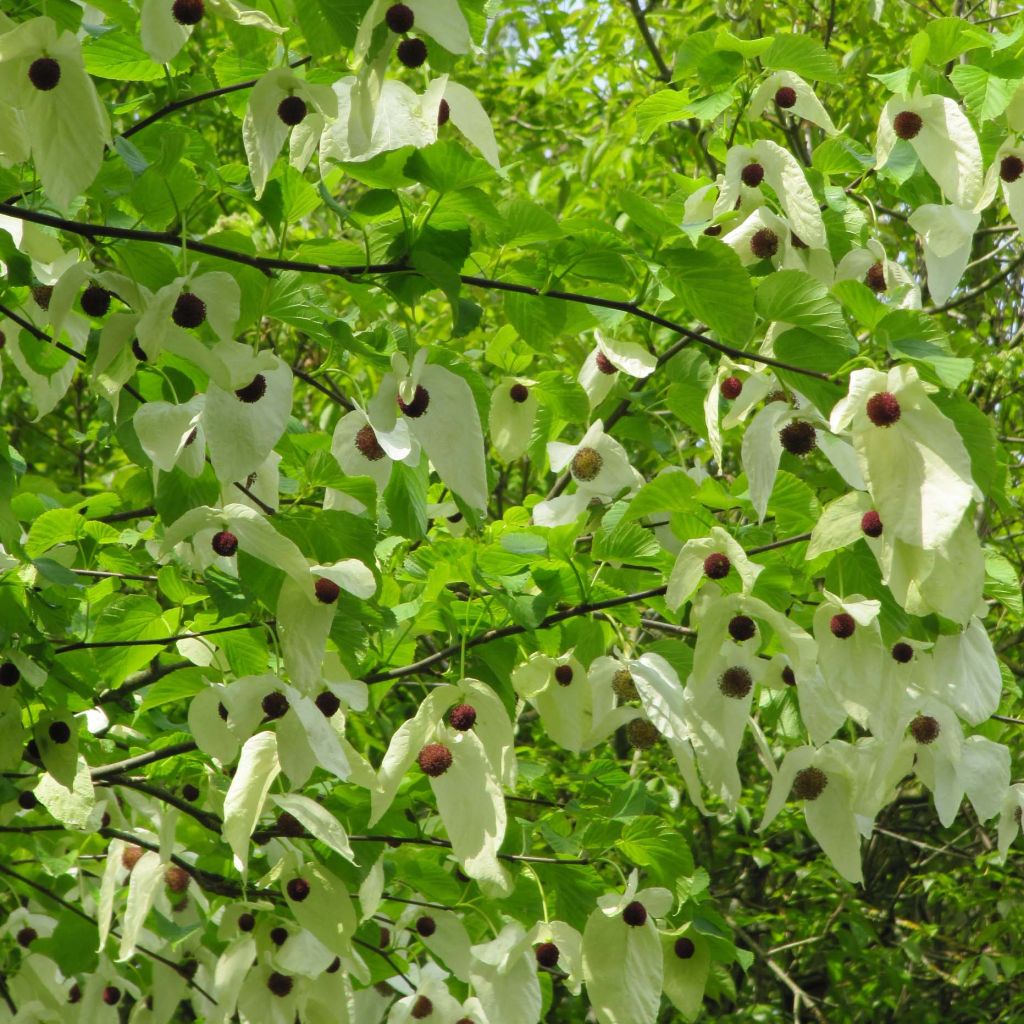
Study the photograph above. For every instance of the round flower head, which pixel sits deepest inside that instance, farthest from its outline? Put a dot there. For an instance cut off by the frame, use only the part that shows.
(790, 92)
(743, 395)
(885, 277)
(943, 139)
(610, 356)
(513, 413)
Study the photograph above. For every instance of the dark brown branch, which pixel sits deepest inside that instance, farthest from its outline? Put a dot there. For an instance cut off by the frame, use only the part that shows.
(140, 680)
(141, 760)
(131, 513)
(188, 101)
(551, 620)
(163, 641)
(267, 264)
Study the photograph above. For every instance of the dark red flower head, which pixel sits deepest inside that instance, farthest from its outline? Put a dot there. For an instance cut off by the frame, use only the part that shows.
(902, 652)
(224, 543)
(684, 948)
(842, 625)
(275, 705)
(95, 301)
(298, 889)
(871, 524)
(44, 73)
(925, 729)
(419, 404)
(731, 388)
(875, 278)
(799, 438)
(785, 96)
(328, 703)
(327, 591)
(735, 682)
(188, 12)
(546, 954)
(368, 445)
(421, 1009)
(10, 674)
(717, 566)
(292, 110)
(26, 936)
(111, 995)
(809, 783)
(742, 627)
(426, 926)
(279, 984)
(635, 914)
(462, 717)
(189, 310)
(400, 18)
(605, 365)
(519, 393)
(253, 391)
(435, 759)
(1011, 168)
(444, 112)
(412, 52)
(764, 243)
(563, 675)
(883, 409)
(907, 124)
(59, 732)
(752, 175)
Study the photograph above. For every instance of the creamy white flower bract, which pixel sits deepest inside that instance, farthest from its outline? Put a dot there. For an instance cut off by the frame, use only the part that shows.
(805, 103)
(600, 369)
(917, 470)
(945, 144)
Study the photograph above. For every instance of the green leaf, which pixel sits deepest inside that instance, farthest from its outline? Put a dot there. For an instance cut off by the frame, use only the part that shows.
(660, 109)
(118, 56)
(448, 167)
(406, 500)
(796, 298)
(986, 95)
(715, 287)
(803, 54)
(1001, 581)
(651, 843)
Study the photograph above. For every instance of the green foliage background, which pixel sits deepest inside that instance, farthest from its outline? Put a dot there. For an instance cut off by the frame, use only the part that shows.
(605, 116)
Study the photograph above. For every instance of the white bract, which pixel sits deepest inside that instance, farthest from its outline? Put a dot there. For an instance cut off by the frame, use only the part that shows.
(439, 411)
(714, 557)
(163, 35)
(805, 103)
(872, 267)
(512, 416)
(600, 369)
(268, 121)
(65, 125)
(600, 468)
(914, 462)
(947, 234)
(747, 166)
(622, 962)
(943, 139)
(755, 384)
(577, 708)
(442, 20)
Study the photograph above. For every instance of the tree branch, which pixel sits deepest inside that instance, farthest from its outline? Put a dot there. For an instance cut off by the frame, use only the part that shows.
(188, 101)
(267, 264)
(83, 645)
(130, 764)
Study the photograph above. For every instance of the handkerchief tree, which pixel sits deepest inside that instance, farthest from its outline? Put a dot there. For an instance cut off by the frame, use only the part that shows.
(510, 512)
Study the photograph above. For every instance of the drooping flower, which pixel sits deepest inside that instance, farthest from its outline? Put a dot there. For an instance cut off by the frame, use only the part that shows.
(622, 960)
(600, 468)
(799, 429)
(438, 409)
(576, 708)
(943, 139)
(601, 367)
(279, 103)
(714, 557)
(512, 416)
(947, 234)
(746, 167)
(442, 20)
(742, 387)
(873, 268)
(913, 460)
(763, 236)
(361, 451)
(163, 34)
(791, 93)
(467, 769)
(61, 113)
